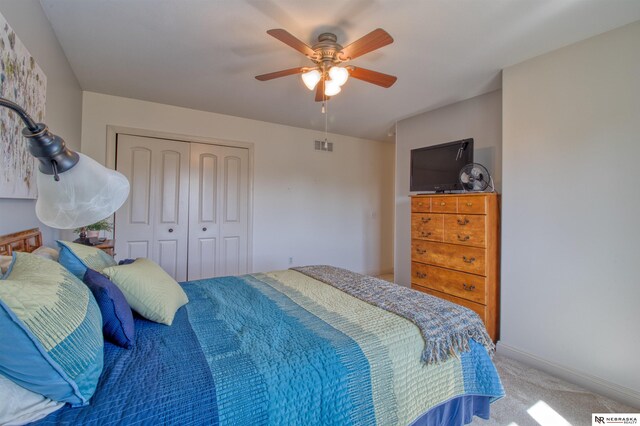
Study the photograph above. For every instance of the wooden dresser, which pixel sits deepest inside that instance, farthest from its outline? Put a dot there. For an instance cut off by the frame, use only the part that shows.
(455, 251)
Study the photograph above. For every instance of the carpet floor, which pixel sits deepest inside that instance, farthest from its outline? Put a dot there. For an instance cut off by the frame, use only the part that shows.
(538, 399)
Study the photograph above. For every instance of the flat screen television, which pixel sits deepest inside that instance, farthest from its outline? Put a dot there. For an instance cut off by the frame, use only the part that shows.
(436, 168)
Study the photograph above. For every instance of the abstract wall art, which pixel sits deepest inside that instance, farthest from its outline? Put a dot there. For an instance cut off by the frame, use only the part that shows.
(23, 82)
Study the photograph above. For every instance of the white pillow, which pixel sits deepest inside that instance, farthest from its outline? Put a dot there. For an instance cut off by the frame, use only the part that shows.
(5, 261)
(47, 253)
(20, 406)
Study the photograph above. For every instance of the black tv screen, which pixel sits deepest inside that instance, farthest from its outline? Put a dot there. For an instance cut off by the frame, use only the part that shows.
(437, 167)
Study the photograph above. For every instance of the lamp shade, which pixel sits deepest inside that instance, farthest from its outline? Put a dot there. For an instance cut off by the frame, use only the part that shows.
(311, 78)
(86, 193)
(331, 88)
(339, 75)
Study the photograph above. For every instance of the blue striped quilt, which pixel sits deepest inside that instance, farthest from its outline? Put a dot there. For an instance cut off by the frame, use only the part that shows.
(283, 348)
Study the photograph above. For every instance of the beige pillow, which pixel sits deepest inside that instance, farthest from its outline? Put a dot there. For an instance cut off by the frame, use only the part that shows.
(149, 290)
(5, 261)
(47, 253)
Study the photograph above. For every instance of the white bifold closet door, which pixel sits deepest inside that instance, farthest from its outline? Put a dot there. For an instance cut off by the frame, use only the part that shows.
(218, 211)
(188, 206)
(154, 221)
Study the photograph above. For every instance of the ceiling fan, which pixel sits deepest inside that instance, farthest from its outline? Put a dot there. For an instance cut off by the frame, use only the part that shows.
(326, 76)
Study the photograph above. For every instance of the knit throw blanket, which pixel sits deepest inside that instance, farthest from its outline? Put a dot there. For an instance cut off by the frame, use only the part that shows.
(445, 326)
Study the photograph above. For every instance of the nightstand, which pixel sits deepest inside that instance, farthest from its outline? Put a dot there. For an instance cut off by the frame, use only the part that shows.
(107, 247)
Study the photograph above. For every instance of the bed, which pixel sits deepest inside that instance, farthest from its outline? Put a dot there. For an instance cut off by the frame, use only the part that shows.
(285, 347)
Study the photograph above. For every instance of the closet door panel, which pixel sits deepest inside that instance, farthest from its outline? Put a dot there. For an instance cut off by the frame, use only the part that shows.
(134, 220)
(154, 220)
(172, 207)
(232, 192)
(231, 256)
(207, 255)
(136, 249)
(168, 257)
(234, 226)
(203, 213)
(218, 216)
(140, 184)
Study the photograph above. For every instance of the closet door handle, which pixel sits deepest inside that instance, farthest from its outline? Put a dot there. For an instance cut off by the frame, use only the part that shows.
(170, 230)
(204, 229)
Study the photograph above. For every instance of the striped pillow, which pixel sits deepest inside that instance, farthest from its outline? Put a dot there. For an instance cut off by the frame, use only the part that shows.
(78, 257)
(51, 331)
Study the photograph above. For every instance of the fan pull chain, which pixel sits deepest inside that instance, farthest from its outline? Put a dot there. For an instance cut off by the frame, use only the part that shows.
(326, 122)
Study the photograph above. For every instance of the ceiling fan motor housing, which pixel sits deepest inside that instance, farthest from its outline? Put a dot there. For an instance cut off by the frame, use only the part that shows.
(327, 49)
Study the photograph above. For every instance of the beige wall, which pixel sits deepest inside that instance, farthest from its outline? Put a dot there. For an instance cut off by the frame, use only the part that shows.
(570, 253)
(64, 101)
(314, 206)
(479, 118)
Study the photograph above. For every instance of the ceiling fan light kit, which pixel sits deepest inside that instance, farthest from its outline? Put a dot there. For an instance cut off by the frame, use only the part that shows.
(311, 78)
(327, 77)
(331, 88)
(339, 75)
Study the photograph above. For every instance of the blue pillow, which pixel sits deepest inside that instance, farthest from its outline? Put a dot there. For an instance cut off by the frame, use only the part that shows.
(78, 257)
(51, 331)
(117, 319)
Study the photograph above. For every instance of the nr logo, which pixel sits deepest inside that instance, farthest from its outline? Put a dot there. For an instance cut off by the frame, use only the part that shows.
(599, 419)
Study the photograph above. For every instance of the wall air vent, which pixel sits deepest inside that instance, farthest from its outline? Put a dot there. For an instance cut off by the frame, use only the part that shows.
(324, 146)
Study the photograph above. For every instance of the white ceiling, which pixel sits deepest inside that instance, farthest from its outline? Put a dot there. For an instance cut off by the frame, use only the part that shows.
(203, 54)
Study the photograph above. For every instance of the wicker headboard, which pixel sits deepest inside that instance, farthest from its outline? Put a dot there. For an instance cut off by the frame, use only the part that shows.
(28, 241)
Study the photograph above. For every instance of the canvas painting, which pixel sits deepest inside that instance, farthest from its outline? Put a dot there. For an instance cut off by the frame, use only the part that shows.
(23, 82)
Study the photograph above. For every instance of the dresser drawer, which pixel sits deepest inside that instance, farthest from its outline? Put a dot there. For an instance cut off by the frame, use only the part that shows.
(444, 204)
(466, 286)
(472, 204)
(479, 309)
(421, 204)
(427, 226)
(460, 258)
(465, 229)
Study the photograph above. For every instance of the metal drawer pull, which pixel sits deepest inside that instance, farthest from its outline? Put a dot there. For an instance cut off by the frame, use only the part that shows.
(469, 260)
(204, 229)
(420, 203)
(443, 203)
(426, 234)
(469, 204)
(462, 222)
(170, 229)
(468, 287)
(421, 251)
(421, 274)
(465, 238)
(426, 219)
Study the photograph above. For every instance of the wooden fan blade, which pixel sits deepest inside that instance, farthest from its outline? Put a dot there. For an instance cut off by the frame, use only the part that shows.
(290, 40)
(372, 41)
(384, 80)
(282, 73)
(320, 91)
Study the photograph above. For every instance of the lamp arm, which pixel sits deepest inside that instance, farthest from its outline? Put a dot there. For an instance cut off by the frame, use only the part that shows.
(31, 125)
(48, 148)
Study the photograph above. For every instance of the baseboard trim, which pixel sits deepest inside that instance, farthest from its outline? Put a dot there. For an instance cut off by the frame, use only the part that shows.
(595, 384)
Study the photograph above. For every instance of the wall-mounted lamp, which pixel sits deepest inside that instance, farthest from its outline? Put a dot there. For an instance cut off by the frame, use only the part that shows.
(73, 190)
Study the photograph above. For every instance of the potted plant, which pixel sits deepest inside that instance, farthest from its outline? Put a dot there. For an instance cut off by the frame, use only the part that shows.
(93, 230)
